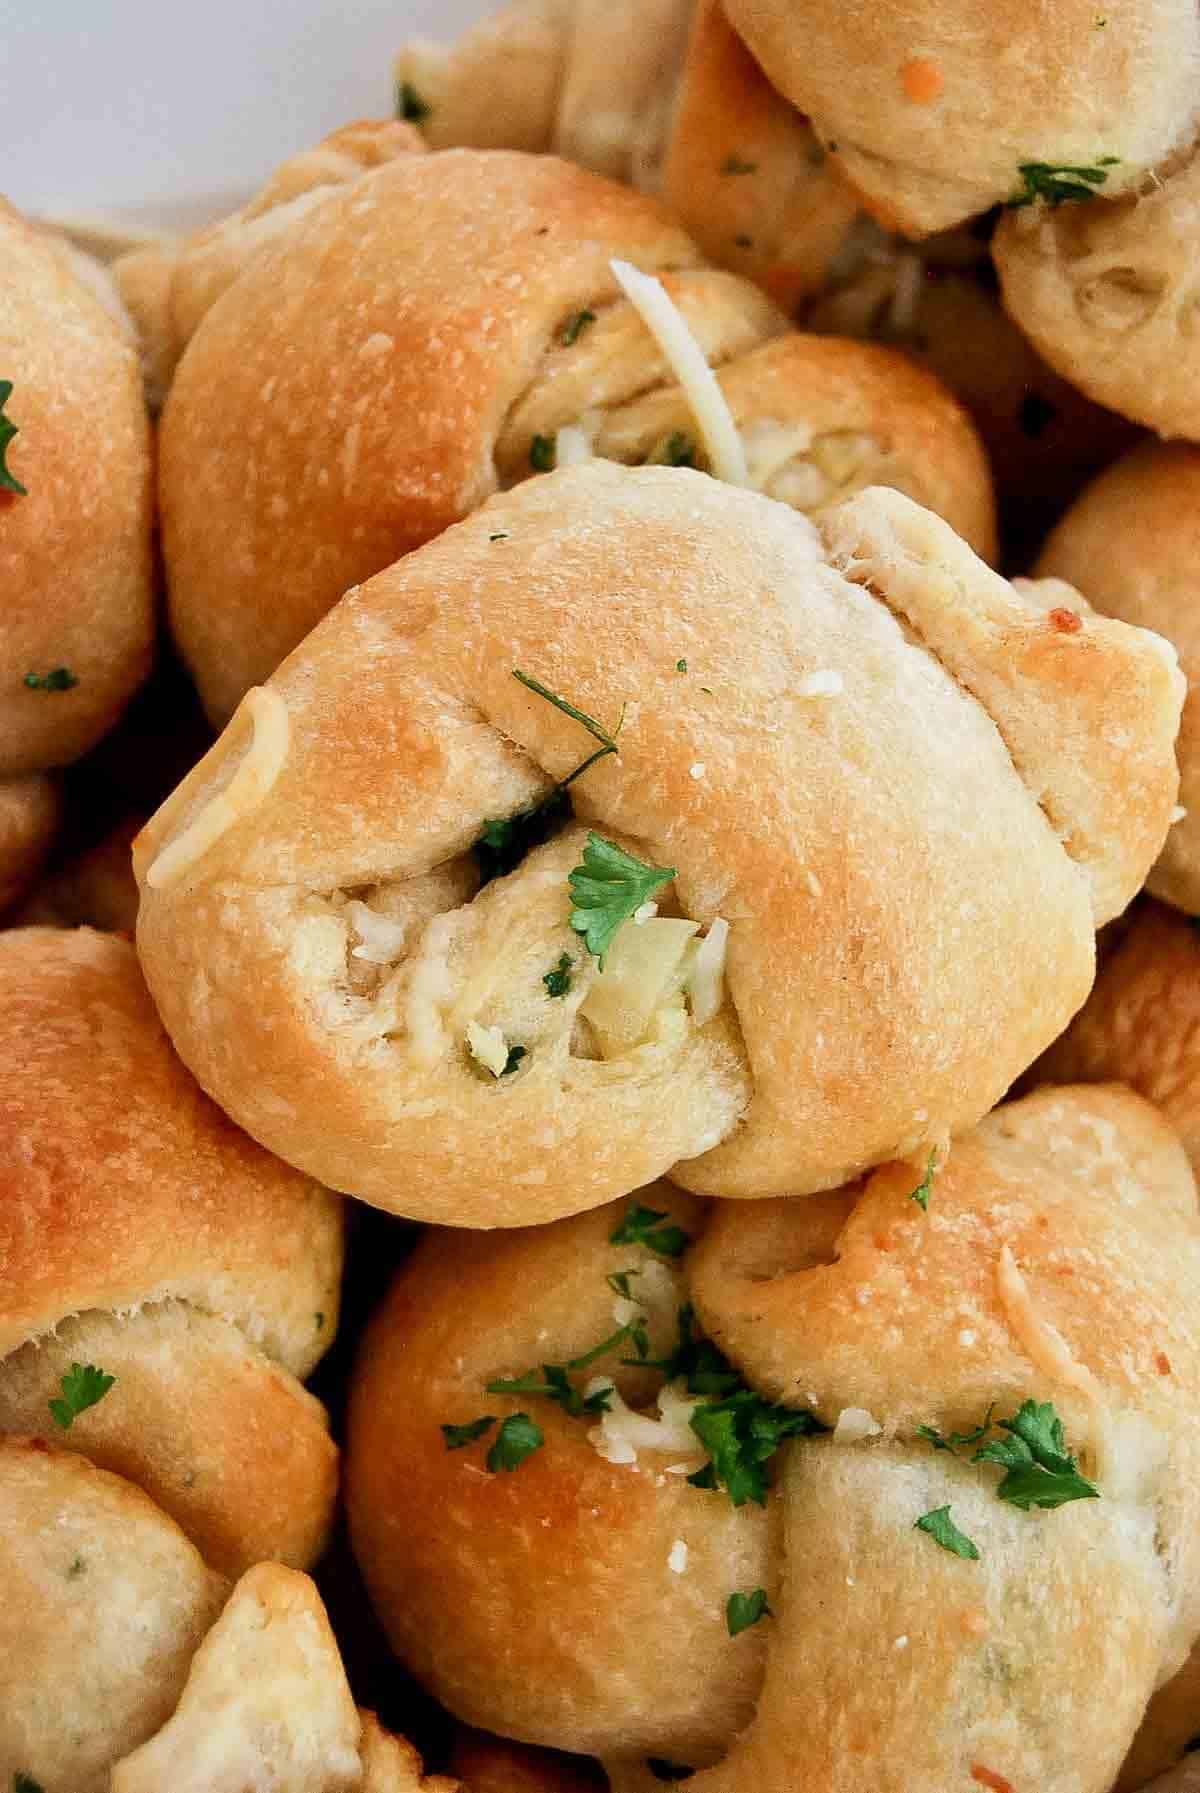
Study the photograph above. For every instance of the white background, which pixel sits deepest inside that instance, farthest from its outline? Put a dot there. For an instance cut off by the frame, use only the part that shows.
(166, 112)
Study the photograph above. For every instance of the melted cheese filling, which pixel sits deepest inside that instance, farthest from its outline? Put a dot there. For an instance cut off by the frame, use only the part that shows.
(246, 790)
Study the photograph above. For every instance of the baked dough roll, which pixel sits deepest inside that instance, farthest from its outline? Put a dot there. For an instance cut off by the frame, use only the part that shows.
(1132, 544)
(95, 889)
(30, 811)
(666, 97)
(936, 113)
(168, 287)
(939, 305)
(457, 322)
(1105, 291)
(495, 1765)
(75, 509)
(867, 757)
(144, 1239)
(824, 1372)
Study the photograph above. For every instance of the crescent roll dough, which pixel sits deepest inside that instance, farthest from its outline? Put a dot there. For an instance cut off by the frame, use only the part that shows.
(931, 109)
(1058, 1261)
(423, 336)
(873, 759)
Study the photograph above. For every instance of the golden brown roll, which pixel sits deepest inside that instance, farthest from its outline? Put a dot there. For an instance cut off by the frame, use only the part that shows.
(30, 811)
(934, 111)
(1057, 1261)
(96, 889)
(142, 1234)
(1105, 291)
(1132, 545)
(494, 1765)
(666, 97)
(169, 287)
(1141, 1023)
(938, 304)
(1185, 1778)
(75, 509)
(875, 764)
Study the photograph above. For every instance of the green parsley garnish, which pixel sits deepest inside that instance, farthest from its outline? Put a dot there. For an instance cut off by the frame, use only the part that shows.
(618, 1282)
(515, 1055)
(503, 843)
(943, 1531)
(75, 1568)
(744, 1610)
(82, 1387)
(1057, 182)
(8, 480)
(741, 1434)
(518, 1438)
(677, 450)
(558, 981)
(319, 1320)
(640, 1226)
(607, 889)
(681, 665)
(736, 165)
(575, 327)
(60, 679)
(458, 1437)
(542, 454)
(1039, 1469)
(410, 105)
(500, 536)
(25, 1783)
(924, 1188)
(553, 1380)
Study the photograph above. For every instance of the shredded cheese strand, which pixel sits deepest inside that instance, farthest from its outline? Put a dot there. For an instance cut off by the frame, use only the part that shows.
(709, 406)
(250, 784)
(1048, 1350)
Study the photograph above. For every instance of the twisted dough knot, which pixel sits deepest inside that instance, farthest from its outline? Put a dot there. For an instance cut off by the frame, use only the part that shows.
(909, 826)
(423, 337)
(1057, 1262)
(933, 109)
(142, 1235)
(664, 96)
(1109, 292)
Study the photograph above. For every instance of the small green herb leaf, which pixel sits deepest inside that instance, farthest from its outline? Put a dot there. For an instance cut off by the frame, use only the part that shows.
(953, 1441)
(607, 889)
(575, 327)
(681, 665)
(25, 1783)
(735, 164)
(741, 1434)
(942, 1529)
(744, 1610)
(458, 1437)
(60, 679)
(558, 981)
(1057, 182)
(642, 1226)
(515, 1055)
(924, 1188)
(519, 1437)
(82, 1387)
(410, 105)
(542, 454)
(552, 1381)
(501, 535)
(8, 480)
(618, 1282)
(1041, 1472)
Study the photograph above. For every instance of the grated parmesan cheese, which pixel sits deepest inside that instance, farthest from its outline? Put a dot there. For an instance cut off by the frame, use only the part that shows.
(622, 1432)
(572, 447)
(488, 1047)
(380, 937)
(250, 784)
(854, 1424)
(677, 1557)
(821, 684)
(705, 983)
(709, 406)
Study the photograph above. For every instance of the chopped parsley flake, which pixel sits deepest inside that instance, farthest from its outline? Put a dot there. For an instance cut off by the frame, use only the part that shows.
(542, 455)
(735, 164)
(8, 480)
(607, 889)
(1057, 182)
(60, 679)
(741, 1434)
(618, 1282)
(553, 1382)
(558, 981)
(575, 327)
(1039, 1469)
(519, 1437)
(25, 1783)
(679, 450)
(319, 1320)
(942, 1529)
(640, 1226)
(458, 1437)
(515, 1055)
(744, 1610)
(82, 1387)
(681, 665)
(410, 105)
(75, 1568)
(500, 536)
(924, 1188)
